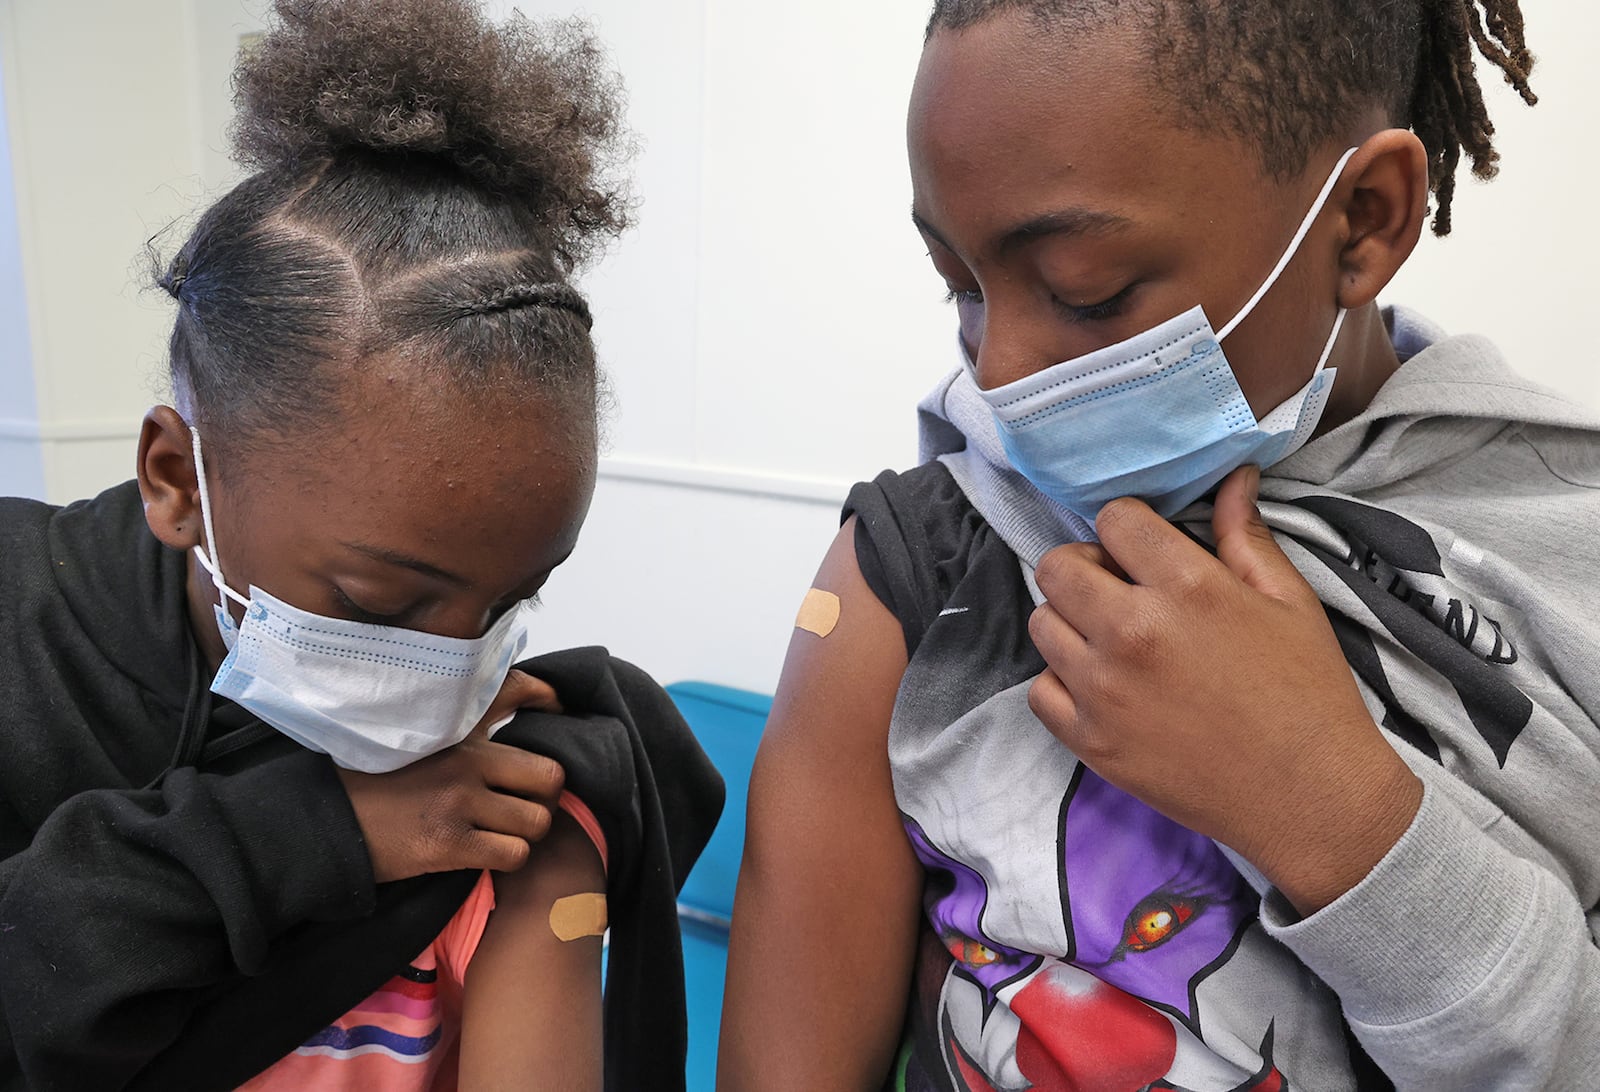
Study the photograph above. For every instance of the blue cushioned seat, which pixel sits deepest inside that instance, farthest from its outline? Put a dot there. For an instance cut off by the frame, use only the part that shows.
(728, 724)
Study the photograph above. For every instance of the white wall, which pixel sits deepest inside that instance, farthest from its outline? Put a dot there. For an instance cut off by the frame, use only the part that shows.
(818, 322)
(1519, 265)
(767, 328)
(21, 463)
(769, 325)
(101, 130)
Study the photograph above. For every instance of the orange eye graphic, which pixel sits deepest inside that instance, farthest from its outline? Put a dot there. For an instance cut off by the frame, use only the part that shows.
(970, 952)
(1157, 920)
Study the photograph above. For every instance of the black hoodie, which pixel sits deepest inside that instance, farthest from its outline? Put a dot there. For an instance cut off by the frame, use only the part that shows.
(185, 895)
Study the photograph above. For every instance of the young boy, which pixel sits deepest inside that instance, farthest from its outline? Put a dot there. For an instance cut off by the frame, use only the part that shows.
(1266, 778)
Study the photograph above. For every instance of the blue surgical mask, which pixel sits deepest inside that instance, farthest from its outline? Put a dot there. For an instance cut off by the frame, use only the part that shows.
(1159, 416)
(374, 698)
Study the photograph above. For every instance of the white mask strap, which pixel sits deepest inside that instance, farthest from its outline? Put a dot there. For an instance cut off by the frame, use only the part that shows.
(1327, 350)
(210, 564)
(1294, 246)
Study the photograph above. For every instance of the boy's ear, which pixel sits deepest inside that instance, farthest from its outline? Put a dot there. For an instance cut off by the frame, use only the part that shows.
(1384, 215)
(167, 480)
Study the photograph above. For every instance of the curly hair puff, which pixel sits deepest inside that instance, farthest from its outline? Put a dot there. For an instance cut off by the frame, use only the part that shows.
(425, 183)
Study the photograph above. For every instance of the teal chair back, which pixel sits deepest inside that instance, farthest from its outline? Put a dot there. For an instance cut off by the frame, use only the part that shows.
(728, 723)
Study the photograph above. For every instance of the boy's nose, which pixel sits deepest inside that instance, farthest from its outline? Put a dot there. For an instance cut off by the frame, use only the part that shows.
(1008, 352)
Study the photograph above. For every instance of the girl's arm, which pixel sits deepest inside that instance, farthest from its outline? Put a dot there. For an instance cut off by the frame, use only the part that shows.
(531, 1010)
(825, 922)
(126, 906)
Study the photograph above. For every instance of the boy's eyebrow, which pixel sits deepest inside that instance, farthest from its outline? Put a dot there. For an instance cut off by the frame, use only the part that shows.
(930, 231)
(391, 557)
(1068, 221)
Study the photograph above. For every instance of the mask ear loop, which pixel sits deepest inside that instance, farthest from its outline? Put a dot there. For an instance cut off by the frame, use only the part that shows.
(1327, 350)
(1294, 248)
(210, 563)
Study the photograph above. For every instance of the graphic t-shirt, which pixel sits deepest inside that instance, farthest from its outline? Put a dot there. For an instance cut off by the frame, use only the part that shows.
(1448, 530)
(1074, 937)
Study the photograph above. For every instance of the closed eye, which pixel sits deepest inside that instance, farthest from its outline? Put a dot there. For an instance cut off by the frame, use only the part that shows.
(355, 612)
(1108, 308)
(532, 602)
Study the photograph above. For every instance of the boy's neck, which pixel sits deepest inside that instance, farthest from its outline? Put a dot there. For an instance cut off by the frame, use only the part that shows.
(1365, 359)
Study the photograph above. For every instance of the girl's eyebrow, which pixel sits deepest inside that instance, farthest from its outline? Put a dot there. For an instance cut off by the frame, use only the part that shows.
(392, 557)
(1075, 221)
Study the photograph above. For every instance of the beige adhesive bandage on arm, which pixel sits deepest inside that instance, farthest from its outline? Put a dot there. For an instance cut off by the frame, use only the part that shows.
(819, 613)
(578, 916)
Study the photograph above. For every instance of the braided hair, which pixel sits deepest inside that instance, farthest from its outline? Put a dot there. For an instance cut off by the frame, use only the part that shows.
(1290, 75)
(426, 184)
(1447, 109)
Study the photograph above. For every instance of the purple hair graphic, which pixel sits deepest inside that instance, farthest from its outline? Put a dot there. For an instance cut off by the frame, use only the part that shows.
(954, 897)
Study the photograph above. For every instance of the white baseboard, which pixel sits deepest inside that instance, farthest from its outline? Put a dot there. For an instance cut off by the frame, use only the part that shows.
(787, 487)
(65, 432)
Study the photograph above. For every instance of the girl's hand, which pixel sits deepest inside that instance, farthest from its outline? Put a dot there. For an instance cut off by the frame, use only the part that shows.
(1214, 689)
(477, 805)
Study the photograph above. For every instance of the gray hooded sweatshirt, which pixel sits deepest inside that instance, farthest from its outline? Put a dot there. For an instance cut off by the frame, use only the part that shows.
(1453, 533)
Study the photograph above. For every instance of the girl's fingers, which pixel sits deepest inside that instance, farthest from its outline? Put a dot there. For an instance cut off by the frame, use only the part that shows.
(512, 816)
(496, 852)
(524, 691)
(515, 772)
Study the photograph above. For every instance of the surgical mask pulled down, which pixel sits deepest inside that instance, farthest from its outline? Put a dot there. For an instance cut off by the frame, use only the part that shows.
(373, 698)
(1159, 416)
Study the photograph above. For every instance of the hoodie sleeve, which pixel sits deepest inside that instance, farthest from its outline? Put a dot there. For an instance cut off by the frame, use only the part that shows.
(1459, 963)
(128, 906)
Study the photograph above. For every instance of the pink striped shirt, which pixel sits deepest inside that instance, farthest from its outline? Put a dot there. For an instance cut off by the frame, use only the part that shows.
(406, 1037)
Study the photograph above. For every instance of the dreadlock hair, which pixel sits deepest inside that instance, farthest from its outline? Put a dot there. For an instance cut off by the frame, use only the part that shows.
(425, 185)
(1289, 75)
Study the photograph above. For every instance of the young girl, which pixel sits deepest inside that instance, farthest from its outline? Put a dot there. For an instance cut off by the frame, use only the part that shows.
(248, 697)
(1281, 778)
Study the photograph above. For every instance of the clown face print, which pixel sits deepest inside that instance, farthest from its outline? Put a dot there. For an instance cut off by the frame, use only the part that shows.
(1079, 939)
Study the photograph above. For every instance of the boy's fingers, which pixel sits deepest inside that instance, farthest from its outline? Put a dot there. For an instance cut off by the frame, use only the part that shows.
(1052, 703)
(1057, 639)
(1245, 543)
(1149, 549)
(1082, 583)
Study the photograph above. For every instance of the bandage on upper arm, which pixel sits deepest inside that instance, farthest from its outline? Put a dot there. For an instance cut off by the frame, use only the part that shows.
(819, 613)
(578, 916)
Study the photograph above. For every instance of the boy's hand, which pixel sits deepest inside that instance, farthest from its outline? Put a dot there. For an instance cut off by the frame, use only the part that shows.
(1214, 689)
(476, 805)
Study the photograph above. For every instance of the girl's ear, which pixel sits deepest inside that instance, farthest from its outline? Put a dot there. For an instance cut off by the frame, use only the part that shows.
(1384, 215)
(167, 480)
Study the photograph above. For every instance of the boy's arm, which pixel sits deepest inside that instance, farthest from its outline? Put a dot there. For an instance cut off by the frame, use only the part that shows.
(1459, 963)
(531, 1011)
(824, 925)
